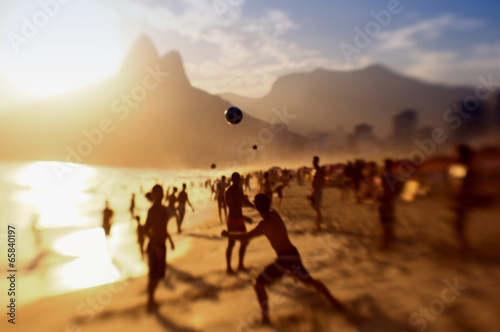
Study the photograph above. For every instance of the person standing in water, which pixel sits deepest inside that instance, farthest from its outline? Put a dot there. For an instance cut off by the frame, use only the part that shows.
(172, 199)
(132, 206)
(107, 215)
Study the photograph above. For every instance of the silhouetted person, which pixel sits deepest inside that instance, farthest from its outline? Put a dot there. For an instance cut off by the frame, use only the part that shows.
(347, 175)
(149, 197)
(132, 206)
(235, 199)
(156, 230)
(300, 176)
(391, 187)
(248, 177)
(279, 190)
(140, 235)
(465, 197)
(268, 190)
(220, 191)
(181, 207)
(107, 215)
(316, 196)
(172, 199)
(357, 178)
(288, 263)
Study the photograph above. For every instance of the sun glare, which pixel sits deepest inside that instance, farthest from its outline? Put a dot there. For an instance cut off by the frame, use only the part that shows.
(55, 200)
(60, 56)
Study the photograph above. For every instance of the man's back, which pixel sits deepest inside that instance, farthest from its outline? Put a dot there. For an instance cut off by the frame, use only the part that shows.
(234, 199)
(156, 223)
(221, 188)
(182, 198)
(319, 178)
(275, 231)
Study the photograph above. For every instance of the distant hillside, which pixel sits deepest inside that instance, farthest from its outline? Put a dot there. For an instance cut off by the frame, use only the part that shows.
(148, 116)
(324, 99)
(244, 103)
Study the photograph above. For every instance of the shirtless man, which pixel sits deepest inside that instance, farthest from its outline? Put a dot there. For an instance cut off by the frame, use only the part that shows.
(288, 261)
(156, 229)
(317, 190)
(172, 199)
(235, 199)
(182, 198)
(267, 186)
(107, 215)
(220, 191)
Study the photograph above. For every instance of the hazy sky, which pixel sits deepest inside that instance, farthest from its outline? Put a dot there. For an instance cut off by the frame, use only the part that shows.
(50, 46)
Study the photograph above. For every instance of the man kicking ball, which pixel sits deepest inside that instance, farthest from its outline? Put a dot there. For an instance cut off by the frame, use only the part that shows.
(288, 261)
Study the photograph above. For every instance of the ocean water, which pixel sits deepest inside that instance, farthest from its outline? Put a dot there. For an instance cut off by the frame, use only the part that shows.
(56, 209)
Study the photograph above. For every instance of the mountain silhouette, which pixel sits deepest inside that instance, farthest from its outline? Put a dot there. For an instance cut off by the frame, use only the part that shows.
(323, 99)
(149, 115)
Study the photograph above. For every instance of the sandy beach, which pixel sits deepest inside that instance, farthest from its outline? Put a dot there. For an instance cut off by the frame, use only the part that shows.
(423, 284)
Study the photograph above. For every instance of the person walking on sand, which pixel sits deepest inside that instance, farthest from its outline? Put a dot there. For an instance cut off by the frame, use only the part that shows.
(235, 199)
(288, 263)
(220, 191)
(248, 177)
(172, 199)
(391, 187)
(316, 196)
(182, 198)
(268, 190)
(465, 200)
(279, 190)
(156, 229)
(107, 215)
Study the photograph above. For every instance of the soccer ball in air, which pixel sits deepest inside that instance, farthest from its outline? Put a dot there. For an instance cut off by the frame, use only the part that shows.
(233, 115)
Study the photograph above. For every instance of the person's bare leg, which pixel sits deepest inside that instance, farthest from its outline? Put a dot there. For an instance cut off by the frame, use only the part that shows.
(180, 219)
(263, 302)
(318, 219)
(220, 213)
(229, 252)
(243, 248)
(153, 283)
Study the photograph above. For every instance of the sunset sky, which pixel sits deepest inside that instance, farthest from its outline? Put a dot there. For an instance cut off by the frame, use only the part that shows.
(243, 46)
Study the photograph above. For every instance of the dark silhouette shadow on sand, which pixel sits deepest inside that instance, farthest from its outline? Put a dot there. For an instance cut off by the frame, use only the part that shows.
(366, 314)
(206, 236)
(134, 313)
(199, 287)
(168, 325)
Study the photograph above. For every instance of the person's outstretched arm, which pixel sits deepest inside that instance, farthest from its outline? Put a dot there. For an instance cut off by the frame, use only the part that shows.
(247, 202)
(168, 193)
(257, 231)
(187, 200)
